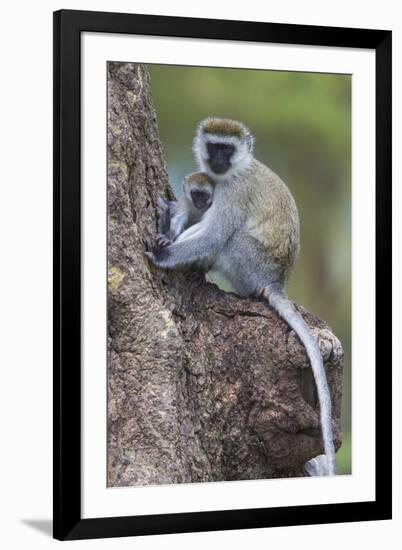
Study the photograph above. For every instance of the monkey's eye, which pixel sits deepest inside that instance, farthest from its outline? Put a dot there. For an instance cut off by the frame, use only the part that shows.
(219, 156)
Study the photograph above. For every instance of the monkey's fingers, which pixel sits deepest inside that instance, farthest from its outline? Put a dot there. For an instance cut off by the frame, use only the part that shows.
(162, 240)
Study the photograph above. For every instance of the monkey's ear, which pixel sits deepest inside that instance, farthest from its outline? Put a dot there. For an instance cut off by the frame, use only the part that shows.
(249, 141)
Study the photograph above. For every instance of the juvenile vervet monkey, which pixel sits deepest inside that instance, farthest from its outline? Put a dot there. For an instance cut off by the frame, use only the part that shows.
(250, 235)
(198, 191)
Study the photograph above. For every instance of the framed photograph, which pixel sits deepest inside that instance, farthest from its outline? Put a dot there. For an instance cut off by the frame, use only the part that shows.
(222, 220)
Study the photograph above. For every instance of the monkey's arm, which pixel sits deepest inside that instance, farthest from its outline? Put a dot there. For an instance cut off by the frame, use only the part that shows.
(165, 211)
(172, 219)
(177, 224)
(197, 245)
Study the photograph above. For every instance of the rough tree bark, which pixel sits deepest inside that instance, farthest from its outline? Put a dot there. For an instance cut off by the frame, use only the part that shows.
(202, 385)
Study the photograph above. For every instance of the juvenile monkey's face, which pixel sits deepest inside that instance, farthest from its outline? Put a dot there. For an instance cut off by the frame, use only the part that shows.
(201, 198)
(198, 189)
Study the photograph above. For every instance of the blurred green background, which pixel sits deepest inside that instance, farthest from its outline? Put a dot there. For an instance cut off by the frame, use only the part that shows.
(302, 126)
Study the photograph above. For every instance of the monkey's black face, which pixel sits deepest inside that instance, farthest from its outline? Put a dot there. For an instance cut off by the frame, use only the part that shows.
(219, 156)
(201, 199)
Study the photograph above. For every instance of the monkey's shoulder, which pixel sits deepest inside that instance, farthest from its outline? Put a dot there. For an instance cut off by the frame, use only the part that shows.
(268, 195)
(273, 218)
(269, 183)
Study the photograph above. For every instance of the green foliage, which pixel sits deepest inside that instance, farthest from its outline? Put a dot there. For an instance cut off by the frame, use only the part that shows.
(302, 126)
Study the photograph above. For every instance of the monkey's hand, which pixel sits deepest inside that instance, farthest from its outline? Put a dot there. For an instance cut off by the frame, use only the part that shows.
(161, 257)
(162, 240)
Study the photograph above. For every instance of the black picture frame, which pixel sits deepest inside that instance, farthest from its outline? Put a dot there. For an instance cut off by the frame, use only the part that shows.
(68, 26)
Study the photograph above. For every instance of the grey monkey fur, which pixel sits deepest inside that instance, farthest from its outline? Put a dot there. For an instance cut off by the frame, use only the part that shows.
(198, 190)
(250, 235)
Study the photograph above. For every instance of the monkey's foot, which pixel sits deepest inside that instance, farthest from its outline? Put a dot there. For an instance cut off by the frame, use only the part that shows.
(330, 347)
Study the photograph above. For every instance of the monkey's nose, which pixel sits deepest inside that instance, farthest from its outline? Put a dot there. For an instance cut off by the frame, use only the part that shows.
(219, 165)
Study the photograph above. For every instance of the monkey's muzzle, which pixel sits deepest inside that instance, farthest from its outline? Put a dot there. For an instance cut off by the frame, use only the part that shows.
(219, 157)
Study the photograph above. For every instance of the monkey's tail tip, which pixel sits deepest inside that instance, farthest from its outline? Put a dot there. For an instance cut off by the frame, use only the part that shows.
(318, 466)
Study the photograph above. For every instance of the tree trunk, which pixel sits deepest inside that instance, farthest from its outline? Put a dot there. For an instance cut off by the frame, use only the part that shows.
(202, 385)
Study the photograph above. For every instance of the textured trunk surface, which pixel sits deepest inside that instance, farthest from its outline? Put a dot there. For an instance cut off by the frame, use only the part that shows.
(202, 385)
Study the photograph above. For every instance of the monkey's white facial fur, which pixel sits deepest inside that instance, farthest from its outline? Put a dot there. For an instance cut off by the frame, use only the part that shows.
(223, 147)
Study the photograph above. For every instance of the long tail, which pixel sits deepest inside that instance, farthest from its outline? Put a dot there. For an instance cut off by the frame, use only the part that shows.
(281, 303)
